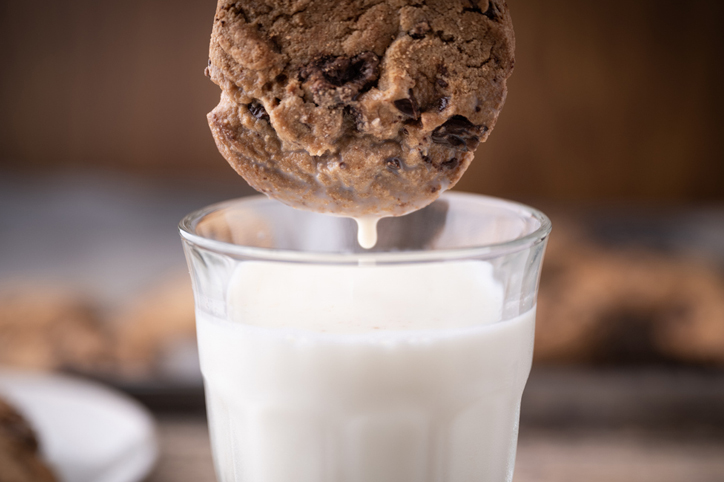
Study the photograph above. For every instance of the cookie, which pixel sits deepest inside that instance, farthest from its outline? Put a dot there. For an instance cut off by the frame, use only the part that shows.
(605, 305)
(358, 108)
(19, 457)
(153, 326)
(46, 327)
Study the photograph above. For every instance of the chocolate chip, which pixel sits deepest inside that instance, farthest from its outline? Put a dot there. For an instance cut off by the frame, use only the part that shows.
(451, 164)
(405, 106)
(443, 103)
(340, 79)
(493, 12)
(15, 427)
(413, 122)
(257, 109)
(445, 37)
(408, 107)
(393, 163)
(441, 72)
(474, 7)
(419, 30)
(458, 132)
(343, 165)
(477, 108)
(274, 41)
(339, 71)
(354, 117)
(236, 9)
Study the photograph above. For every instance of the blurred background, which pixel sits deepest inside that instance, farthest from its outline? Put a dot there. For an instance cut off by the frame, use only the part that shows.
(614, 125)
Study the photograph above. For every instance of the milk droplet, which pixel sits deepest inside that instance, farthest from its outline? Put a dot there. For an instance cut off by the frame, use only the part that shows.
(367, 231)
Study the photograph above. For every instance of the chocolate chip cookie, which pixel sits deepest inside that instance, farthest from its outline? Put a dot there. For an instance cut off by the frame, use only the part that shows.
(358, 108)
(48, 327)
(19, 457)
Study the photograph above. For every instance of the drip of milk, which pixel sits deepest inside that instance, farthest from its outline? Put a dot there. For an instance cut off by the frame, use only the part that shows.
(364, 373)
(367, 231)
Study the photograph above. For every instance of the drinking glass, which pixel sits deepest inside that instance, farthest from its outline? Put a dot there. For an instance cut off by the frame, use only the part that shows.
(325, 362)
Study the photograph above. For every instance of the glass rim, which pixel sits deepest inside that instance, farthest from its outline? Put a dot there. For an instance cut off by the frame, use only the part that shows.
(484, 251)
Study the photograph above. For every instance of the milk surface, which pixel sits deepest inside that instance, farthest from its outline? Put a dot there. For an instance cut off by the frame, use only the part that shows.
(364, 374)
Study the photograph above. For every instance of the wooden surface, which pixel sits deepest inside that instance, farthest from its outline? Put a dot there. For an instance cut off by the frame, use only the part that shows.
(656, 424)
(543, 455)
(608, 101)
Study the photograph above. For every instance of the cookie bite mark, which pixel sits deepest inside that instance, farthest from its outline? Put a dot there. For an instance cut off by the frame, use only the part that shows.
(340, 80)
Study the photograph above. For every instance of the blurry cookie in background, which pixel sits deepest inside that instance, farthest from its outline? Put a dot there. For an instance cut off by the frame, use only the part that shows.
(155, 334)
(19, 457)
(605, 305)
(597, 305)
(47, 327)
(51, 328)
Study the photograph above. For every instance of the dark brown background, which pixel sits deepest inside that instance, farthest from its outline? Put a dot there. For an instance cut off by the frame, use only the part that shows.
(609, 101)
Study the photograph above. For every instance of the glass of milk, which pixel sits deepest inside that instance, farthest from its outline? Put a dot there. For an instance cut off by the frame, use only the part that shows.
(326, 362)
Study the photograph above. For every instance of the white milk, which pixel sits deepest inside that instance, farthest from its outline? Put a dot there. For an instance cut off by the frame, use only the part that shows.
(382, 374)
(367, 231)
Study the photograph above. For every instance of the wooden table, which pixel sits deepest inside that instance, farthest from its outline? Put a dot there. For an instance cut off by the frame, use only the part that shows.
(577, 425)
(543, 455)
